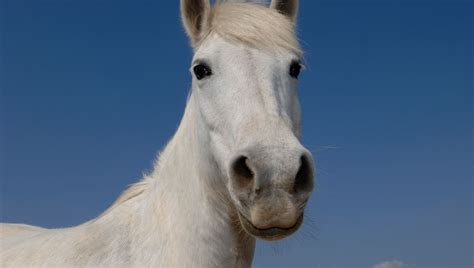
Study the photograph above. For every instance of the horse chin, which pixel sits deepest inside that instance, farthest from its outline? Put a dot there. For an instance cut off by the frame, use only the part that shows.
(270, 234)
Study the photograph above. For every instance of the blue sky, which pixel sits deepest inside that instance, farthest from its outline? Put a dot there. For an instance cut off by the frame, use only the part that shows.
(91, 90)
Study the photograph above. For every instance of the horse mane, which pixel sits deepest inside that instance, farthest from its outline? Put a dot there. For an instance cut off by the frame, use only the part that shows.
(131, 192)
(252, 24)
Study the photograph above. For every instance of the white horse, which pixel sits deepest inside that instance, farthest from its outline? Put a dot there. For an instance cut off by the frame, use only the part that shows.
(233, 172)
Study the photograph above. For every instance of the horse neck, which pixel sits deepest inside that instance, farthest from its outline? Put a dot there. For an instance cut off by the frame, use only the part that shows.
(183, 216)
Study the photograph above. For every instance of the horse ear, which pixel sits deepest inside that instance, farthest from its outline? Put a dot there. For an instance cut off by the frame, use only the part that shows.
(288, 8)
(194, 14)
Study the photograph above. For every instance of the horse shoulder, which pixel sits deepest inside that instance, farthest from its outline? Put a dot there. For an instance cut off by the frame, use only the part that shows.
(14, 228)
(11, 233)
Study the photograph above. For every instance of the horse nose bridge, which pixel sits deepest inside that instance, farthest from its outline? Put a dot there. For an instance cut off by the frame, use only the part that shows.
(265, 129)
(281, 155)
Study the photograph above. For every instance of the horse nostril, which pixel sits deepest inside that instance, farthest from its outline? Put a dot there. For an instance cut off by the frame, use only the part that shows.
(241, 170)
(304, 177)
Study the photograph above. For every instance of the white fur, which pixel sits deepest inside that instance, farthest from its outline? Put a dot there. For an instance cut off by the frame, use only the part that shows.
(185, 213)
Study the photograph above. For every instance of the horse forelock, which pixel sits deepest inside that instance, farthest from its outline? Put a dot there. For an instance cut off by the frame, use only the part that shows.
(253, 25)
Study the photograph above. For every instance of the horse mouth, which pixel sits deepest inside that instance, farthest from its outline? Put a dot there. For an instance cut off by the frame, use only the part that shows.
(273, 233)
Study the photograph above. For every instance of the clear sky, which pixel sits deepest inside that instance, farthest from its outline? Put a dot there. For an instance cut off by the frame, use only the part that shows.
(92, 89)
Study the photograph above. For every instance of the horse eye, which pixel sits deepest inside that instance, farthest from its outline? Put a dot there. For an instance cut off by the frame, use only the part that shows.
(202, 71)
(295, 69)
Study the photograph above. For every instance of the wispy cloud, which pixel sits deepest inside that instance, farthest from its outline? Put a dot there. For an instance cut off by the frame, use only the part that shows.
(391, 264)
